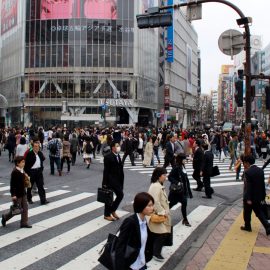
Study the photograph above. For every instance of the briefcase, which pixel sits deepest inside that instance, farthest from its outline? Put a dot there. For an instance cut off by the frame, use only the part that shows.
(215, 171)
(105, 195)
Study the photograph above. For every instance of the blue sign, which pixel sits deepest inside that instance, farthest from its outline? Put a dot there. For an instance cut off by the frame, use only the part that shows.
(170, 39)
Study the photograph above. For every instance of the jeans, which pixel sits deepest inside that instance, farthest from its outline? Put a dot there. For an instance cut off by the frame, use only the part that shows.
(57, 161)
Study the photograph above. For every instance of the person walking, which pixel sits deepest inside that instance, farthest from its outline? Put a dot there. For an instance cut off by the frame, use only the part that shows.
(161, 207)
(11, 145)
(169, 152)
(232, 146)
(18, 192)
(113, 178)
(88, 149)
(254, 193)
(178, 176)
(21, 147)
(139, 239)
(74, 144)
(206, 171)
(197, 164)
(55, 146)
(128, 147)
(148, 153)
(34, 168)
(66, 153)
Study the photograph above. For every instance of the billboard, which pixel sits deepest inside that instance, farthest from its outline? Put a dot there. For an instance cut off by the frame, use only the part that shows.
(8, 15)
(170, 38)
(68, 9)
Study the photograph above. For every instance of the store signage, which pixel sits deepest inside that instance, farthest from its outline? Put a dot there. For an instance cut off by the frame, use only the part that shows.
(8, 15)
(167, 97)
(117, 102)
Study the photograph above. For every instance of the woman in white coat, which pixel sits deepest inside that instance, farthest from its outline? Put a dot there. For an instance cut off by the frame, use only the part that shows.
(161, 207)
(148, 153)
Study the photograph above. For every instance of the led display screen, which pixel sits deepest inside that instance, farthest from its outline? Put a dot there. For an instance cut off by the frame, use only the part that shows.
(68, 9)
(8, 15)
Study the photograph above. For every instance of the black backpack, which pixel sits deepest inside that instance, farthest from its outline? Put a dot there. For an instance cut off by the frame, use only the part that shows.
(88, 148)
(53, 148)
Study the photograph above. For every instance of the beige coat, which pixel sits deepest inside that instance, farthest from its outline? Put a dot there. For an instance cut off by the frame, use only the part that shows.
(161, 207)
(148, 154)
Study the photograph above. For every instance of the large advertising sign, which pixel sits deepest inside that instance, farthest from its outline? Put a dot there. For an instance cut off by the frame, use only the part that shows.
(170, 39)
(8, 15)
(68, 9)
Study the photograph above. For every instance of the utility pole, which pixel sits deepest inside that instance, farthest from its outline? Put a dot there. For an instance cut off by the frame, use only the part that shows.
(153, 19)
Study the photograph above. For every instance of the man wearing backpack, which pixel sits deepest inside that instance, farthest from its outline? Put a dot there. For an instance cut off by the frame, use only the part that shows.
(55, 146)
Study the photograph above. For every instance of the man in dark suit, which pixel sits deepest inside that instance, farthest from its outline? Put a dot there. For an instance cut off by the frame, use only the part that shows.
(206, 172)
(113, 178)
(197, 164)
(129, 149)
(169, 155)
(254, 194)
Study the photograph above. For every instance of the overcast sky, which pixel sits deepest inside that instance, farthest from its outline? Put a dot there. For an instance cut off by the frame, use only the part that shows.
(216, 18)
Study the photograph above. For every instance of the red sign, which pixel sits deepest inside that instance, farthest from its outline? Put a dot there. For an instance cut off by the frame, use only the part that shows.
(67, 9)
(167, 97)
(8, 15)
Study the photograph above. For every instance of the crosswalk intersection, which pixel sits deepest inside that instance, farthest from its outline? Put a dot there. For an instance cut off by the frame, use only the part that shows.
(70, 231)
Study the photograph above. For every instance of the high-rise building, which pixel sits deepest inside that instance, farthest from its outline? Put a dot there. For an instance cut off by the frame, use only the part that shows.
(65, 60)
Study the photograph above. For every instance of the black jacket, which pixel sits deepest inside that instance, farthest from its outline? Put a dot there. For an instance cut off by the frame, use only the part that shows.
(177, 175)
(113, 174)
(17, 184)
(198, 159)
(169, 150)
(254, 189)
(130, 235)
(31, 159)
(207, 167)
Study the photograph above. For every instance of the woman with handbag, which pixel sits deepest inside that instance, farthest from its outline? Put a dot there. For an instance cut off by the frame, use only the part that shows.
(148, 153)
(18, 183)
(180, 186)
(134, 250)
(159, 229)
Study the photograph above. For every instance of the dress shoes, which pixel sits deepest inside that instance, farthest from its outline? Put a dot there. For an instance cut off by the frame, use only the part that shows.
(26, 226)
(44, 202)
(3, 221)
(197, 189)
(244, 228)
(109, 218)
(115, 215)
(207, 197)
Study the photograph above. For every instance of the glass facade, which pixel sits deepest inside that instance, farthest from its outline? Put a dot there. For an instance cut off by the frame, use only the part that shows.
(71, 50)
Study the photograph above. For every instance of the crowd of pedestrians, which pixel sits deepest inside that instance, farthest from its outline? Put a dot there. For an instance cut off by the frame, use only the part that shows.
(25, 148)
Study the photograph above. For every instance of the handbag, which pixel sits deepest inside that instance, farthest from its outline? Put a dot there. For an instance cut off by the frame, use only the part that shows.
(215, 171)
(26, 180)
(105, 195)
(177, 188)
(107, 257)
(157, 218)
(15, 209)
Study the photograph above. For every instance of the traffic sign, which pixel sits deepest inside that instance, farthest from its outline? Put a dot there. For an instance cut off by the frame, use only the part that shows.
(231, 42)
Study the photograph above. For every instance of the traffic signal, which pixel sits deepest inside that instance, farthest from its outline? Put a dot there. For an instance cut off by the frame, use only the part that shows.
(239, 93)
(267, 97)
(154, 20)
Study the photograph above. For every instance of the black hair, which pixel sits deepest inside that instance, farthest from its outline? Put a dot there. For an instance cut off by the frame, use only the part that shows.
(141, 200)
(249, 159)
(157, 173)
(205, 146)
(18, 160)
(22, 140)
(179, 158)
(198, 142)
(113, 143)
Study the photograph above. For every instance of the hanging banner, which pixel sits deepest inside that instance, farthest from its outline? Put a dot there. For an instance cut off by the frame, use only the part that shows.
(170, 38)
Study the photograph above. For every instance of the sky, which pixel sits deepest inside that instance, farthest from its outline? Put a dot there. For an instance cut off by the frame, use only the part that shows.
(217, 18)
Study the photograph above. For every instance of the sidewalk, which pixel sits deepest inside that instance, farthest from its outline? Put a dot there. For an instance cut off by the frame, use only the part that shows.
(229, 248)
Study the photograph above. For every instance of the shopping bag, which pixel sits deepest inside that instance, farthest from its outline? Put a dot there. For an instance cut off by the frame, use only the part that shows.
(222, 155)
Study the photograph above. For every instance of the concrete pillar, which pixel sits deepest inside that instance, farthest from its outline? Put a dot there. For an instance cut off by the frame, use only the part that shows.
(133, 115)
(26, 86)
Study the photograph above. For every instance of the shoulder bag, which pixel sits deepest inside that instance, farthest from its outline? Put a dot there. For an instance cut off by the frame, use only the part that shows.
(157, 218)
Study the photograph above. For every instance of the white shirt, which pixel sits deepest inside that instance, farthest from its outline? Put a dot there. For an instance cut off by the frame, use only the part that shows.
(140, 262)
(21, 149)
(37, 164)
(50, 133)
(140, 146)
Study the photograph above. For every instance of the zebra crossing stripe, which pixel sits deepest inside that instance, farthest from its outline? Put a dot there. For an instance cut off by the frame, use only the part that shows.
(54, 205)
(89, 259)
(41, 226)
(181, 233)
(6, 206)
(5, 188)
(38, 252)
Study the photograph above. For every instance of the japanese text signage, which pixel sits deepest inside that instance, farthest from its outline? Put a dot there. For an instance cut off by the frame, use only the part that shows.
(170, 39)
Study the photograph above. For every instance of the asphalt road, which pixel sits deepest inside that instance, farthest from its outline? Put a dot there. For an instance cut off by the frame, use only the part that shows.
(70, 230)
